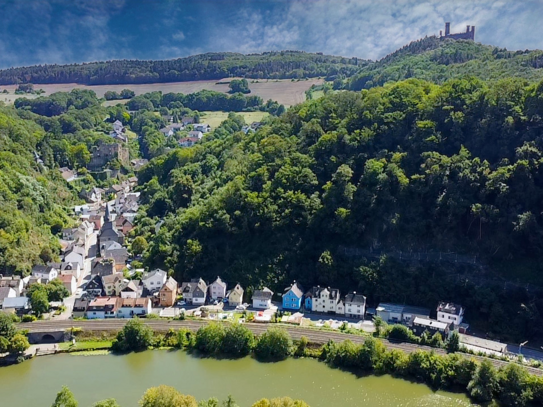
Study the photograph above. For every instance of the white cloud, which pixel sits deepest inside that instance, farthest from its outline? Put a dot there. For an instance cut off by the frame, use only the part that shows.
(178, 36)
(60, 31)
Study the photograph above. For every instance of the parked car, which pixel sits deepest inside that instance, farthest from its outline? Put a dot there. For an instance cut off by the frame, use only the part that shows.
(215, 302)
(181, 302)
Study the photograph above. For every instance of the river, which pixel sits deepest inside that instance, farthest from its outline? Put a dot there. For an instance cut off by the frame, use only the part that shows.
(125, 378)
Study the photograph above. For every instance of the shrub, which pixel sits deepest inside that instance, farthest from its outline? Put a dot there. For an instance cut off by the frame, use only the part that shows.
(453, 344)
(274, 344)
(301, 346)
(238, 340)
(134, 336)
(209, 338)
(484, 384)
(514, 386)
(402, 333)
(29, 318)
(163, 396)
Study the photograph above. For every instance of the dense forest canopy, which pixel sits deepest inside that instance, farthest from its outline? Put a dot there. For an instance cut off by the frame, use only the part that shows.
(271, 65)
(408, 166)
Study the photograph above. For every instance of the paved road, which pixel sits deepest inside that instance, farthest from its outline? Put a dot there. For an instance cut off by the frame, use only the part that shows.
(314, 335)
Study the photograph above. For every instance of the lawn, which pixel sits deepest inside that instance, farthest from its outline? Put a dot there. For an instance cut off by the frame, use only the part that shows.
(85, 345)
(214, 119)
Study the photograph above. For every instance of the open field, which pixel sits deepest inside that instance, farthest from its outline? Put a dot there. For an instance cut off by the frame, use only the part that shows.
(283, 91)
(214, 119)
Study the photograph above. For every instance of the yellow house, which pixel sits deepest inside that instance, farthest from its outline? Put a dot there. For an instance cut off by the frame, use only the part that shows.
(235, 296)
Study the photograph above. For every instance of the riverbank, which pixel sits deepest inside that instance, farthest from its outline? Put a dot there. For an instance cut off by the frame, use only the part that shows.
(479, 380)
(98, 328)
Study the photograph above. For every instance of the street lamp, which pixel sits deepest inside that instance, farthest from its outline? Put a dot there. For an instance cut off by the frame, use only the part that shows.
(520, 347)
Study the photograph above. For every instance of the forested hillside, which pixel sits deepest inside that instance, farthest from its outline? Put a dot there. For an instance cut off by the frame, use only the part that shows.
(270, 65)
(31, 198)
(439, 60)
(410, 166)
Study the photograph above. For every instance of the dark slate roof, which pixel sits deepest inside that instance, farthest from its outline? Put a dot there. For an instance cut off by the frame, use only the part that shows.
(354, 298)
(264, 294)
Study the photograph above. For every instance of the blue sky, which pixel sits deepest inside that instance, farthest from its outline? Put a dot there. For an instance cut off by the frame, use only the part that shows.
(65, 31)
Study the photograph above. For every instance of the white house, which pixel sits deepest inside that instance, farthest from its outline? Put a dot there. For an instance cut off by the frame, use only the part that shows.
(217, 289)
(6, 292)
(154, 280)
(450, 313)
(76, 254)
(71, 268)
(117, 126)
(262, 298)
(355, 305)
(103, 307)
(203, 127)
(15, 282)
(235, 296)
(327, 300)
(46, 273)
(131, 289)
(197, 134)
(134, 307)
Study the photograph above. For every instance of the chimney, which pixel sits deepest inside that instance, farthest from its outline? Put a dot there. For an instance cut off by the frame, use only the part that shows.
(467, 29)
(447, 29)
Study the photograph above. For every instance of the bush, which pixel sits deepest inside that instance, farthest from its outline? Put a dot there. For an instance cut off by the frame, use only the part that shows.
(238, 340)
(29, 318)
(453, 344)
(484, 384)
(209, 338)
(401, 333)
(515, 389)
(163, 396)
(134, 336)
(274, 344)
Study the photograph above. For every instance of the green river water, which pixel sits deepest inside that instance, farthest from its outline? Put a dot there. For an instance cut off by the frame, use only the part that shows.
(92, 378)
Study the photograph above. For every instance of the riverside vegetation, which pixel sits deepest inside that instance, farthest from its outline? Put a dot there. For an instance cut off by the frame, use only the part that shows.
(511, 385)
(166, 396)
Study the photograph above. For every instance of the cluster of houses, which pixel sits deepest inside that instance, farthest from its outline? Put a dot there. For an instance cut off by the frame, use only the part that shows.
(110, 295)
(95, 246)
(193, 136)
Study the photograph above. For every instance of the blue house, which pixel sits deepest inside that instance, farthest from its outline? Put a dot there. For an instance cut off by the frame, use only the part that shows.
(308, 301)
(292, 298)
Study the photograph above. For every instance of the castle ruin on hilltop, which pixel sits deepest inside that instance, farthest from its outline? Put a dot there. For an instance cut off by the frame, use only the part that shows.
(468, 35)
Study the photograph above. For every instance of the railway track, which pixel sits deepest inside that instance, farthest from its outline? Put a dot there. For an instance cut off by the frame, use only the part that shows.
(313, 335)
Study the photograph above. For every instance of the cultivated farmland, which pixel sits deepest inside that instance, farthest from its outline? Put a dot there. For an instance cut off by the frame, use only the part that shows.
(283, 91)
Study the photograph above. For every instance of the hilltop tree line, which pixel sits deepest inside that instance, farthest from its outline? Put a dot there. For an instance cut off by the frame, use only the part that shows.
(438, 60)
(408, 166)
(210, 66)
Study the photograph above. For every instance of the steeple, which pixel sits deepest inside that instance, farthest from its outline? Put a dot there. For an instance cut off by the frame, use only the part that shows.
(107, 218)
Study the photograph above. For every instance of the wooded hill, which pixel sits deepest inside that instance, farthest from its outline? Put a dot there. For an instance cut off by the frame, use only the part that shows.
(439, 60)
(269, 65)
(430, 59)
(409, 166)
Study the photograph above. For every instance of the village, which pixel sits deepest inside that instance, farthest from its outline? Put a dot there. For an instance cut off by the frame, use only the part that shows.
(96, 271)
